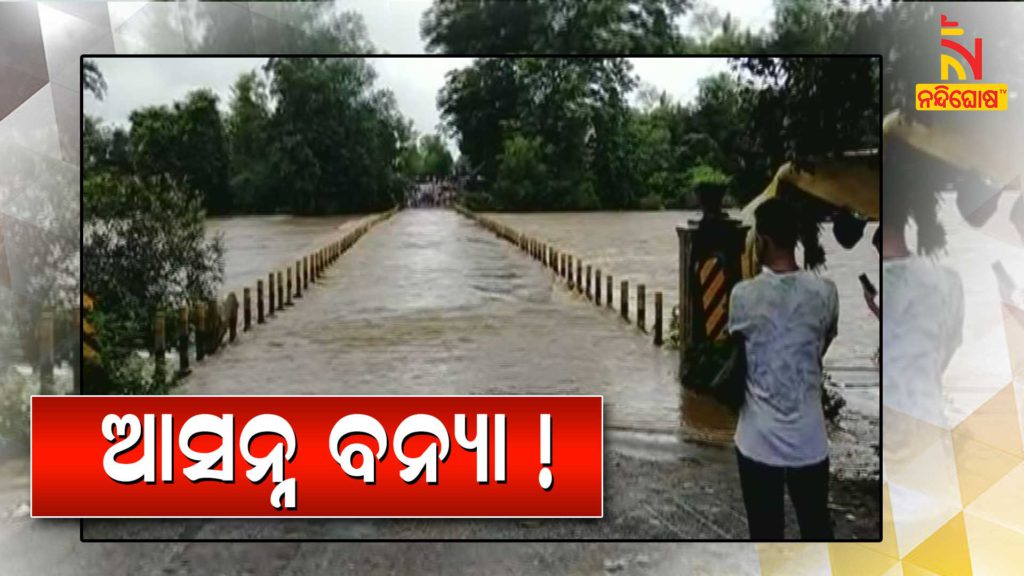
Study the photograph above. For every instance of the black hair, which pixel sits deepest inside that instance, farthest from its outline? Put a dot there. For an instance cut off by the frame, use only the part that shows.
(774, 219)
(785, 223)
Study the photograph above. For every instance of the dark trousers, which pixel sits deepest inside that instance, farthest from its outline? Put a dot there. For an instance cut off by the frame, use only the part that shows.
(763, 498)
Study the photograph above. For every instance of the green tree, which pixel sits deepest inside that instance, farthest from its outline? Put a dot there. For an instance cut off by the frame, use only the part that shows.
(576, 108)
(324, 106)
(436, 160)
(553, 26)
(186, 142)
(144, 242)
(522, 179)
(247, 128)
(105, 149)
(808, 108)
(92, 79)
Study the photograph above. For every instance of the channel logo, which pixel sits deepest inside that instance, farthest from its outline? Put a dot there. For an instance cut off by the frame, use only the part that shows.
(966, 95)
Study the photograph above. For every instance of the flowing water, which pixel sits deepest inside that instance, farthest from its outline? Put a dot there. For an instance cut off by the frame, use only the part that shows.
(431, 303)
(643, 247)
(255, 245)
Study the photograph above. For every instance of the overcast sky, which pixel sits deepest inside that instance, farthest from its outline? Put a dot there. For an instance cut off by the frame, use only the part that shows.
(394, 28)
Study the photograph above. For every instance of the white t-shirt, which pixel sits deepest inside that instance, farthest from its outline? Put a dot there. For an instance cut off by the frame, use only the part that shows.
(923, 309)
(786, 320)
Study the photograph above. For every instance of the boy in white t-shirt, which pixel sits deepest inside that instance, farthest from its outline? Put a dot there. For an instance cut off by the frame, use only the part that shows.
(786, 318)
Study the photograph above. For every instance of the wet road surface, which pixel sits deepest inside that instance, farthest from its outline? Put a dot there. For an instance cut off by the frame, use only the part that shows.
(429, 303)
(643, 247)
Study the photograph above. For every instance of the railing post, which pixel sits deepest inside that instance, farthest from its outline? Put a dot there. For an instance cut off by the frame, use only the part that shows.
(280, 290)
(259, 302)
(608, 292)
(46, 352)
(298, 278)
(597, 287)
(657, 319)
(588, 282)
(579, 275)
(270, 295)
(246, 310)
(183, 341)
(232, 317)
(624, 299)
(288, 297)
(641, 307)
(568, 271)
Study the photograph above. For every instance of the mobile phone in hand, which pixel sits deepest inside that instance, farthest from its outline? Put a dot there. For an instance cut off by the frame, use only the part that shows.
(868, 286)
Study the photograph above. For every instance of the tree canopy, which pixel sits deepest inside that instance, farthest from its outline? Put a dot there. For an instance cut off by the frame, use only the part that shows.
(553, 26)
(561, 133)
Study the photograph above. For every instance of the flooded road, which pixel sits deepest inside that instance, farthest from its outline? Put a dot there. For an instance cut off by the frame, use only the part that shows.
(429, 302)
(255, 245)
(643, 247)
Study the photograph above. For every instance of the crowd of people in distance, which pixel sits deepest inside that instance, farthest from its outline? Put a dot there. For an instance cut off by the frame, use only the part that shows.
(431, 193)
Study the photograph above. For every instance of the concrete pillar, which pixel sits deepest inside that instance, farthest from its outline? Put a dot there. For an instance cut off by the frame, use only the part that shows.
(710, 256)
(624, 299)
(657, 319)
(246, 310)
(280, 291)
(641, 307)
(270, 295)
(259, 302)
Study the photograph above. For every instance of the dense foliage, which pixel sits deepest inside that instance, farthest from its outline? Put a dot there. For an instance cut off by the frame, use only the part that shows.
(561, 134)
(553, 26)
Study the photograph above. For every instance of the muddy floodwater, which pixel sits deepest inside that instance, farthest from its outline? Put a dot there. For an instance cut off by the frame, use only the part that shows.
(429, 302)
(255, 245)
(643, 247)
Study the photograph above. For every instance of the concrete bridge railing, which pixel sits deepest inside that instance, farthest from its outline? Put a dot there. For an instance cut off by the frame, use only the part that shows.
(206, 326)
(583, 280)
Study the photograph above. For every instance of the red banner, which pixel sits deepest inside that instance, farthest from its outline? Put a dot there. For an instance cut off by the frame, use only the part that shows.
(317, 456)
